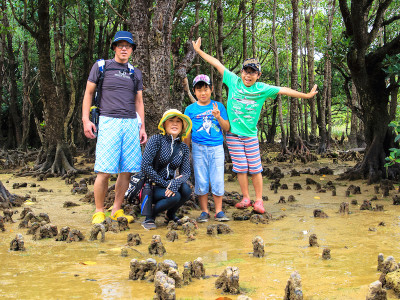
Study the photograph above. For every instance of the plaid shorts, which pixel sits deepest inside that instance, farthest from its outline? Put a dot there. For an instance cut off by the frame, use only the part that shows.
(118, 146)
(245, 153)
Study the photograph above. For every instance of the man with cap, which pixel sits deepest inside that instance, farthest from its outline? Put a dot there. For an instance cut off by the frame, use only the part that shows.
(246, 98)
(121, 123)
(209, 118)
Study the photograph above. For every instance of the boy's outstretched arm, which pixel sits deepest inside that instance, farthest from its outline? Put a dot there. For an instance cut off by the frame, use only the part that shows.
(208, 58)
(295, 94)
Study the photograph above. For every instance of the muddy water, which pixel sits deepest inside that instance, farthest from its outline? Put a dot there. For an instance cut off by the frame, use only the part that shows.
(94, 270)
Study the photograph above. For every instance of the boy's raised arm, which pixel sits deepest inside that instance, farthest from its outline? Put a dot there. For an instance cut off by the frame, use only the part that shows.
(208, 58)
(295, 94)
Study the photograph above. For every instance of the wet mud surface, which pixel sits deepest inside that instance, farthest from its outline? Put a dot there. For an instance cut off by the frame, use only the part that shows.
(92, 269)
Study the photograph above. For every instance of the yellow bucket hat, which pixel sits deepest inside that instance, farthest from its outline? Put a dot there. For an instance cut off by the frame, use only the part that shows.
(172, 113)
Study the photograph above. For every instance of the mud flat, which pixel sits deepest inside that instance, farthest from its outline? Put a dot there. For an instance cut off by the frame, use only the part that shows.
(91, 269)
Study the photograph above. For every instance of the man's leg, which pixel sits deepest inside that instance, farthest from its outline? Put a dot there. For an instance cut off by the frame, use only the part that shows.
(100, 190)
(120, 188)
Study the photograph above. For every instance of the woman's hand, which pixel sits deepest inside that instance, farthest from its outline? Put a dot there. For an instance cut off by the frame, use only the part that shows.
(169, 193)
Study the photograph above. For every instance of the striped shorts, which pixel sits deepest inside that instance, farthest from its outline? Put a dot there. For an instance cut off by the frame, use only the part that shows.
(245, 153)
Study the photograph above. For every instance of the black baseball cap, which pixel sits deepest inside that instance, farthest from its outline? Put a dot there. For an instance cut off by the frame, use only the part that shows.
(252, 63)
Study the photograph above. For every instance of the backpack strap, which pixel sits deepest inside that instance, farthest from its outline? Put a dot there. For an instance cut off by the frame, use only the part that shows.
(97, 96)
(102, 64)
(131, 70)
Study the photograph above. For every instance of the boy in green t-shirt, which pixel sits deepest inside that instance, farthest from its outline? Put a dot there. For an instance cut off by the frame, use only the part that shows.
(245, 100)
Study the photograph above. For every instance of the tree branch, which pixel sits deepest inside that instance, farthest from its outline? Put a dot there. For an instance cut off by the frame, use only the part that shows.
(108, 2)
(391, 20)
(378, 21)
(238, 23)
(344, 9)
(391, 48)
(23, 22)
(180, 14)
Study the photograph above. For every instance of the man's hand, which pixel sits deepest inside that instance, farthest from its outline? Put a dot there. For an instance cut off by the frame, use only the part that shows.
(216, 112)
(143, 136)
(89, 128)
(313, 92)
(197, 44)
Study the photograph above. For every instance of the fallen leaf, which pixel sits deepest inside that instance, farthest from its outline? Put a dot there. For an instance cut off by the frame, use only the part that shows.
(283, 208)
(223, 298)
(88, 263)
(323, 175)
(316, 197)
(27, 202)
(322, 178)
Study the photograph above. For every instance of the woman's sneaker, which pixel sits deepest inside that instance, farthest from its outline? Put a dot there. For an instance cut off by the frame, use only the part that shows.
(149, 224)
(204, 217)
(221, 217)
(245, 203)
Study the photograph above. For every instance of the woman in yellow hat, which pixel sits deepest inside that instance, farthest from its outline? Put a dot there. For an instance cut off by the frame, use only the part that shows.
(166, 155)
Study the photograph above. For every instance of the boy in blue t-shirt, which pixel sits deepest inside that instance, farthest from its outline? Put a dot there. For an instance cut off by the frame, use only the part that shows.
(209, 118)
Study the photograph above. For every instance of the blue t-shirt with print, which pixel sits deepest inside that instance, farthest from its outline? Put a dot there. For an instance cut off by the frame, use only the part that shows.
(205, 127)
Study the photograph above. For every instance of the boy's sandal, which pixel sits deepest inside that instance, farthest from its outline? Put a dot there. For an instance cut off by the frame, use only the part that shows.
(245, 203)
(259, 207)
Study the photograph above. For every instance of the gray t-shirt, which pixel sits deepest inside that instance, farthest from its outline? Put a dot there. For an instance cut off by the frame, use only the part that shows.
(119, 90)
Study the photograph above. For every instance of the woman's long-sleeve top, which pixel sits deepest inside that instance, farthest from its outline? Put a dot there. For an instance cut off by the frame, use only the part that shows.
(165, 176)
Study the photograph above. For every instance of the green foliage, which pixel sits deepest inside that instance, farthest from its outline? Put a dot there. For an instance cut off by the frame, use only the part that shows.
(394, 156)
(392, 65)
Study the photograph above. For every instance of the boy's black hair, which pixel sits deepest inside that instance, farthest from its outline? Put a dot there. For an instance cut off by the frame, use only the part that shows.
(200, 84)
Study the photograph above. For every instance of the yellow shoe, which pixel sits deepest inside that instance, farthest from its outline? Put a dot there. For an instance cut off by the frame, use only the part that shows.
(120, 213)
(98, 217)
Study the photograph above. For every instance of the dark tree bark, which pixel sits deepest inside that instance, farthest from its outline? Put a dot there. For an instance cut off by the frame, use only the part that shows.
(272, 128)
(153, 33)
(365, 64)
(26, 107)
(182, 65)
(324, 109)
(253, 28)
(393, 97)
(244, 30)
(309, 20)
(277, 79)
(14, 120)
(196, 35)
(295, 142)
(55, 156)
(353, 119)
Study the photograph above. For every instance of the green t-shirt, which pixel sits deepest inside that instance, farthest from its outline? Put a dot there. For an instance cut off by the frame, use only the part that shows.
(245, 103)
